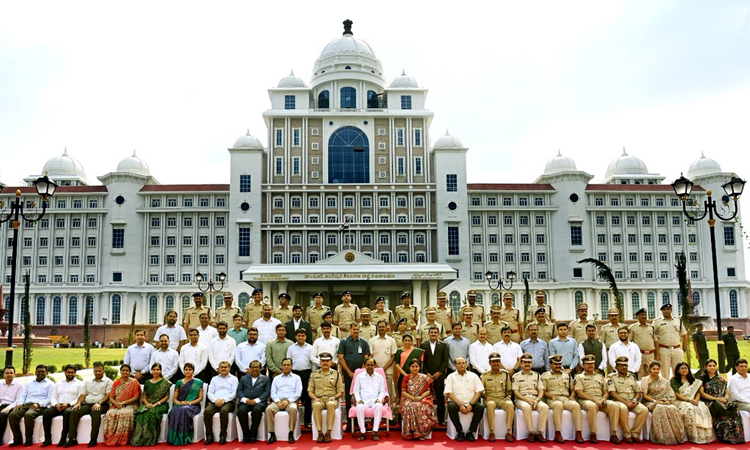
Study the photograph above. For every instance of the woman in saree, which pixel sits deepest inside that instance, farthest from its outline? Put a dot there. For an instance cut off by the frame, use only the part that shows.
(714, 392)
(188, 394)
(398, 335)
(667, 427)
(404, 357)
(417, 403)
(123, 401)
(154, 404)
(698, 426)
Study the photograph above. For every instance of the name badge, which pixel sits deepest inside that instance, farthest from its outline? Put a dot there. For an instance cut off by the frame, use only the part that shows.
(388, 351)
(359, 350)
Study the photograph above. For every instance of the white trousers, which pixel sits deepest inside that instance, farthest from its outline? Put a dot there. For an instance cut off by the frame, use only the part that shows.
(377, 409)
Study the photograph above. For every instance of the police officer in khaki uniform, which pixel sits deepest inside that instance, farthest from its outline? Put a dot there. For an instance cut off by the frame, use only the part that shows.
(671, 340)
(609, 331)
(424, 329)
(326, 387)
(547, 330)
(380, 313)
(335, 331)
(367, 329)
(314, 313)
(540, 297)
(283, 312)
(226, 313)
(578, 326)
(497, 394)
(254, 308)
(470, 329)
(478, 310)
(560, 395)
(193, 314)
(399, 333)
(512, 316)
(408, 312)
(642, 333)
(624, 388)
(529, 391)
(495, 326)
(345, 314)
(444, 313)
(593, 396)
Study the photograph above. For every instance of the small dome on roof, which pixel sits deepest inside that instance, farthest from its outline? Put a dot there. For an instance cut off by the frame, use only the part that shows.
(404, 81)
(626, 165)
(134, 165)
(703, 166)
(448, 141)
(248, 141)
(559, 164)
(291, 81)
(64, 167)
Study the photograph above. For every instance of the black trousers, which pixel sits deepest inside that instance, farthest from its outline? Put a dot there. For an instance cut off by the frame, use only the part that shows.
(256, 412)
(3, 422)
(347, 392)
(96, 420)
(305, 398)
(439, 386)
(29, 416)
(49, 414)
(208, 418)
(730, 362)
(454, 411)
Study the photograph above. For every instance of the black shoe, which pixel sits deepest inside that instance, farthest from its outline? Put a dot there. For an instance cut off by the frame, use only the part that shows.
(70, 443)
(46, 443)
(209, 439)
(15, 444)
(460, 437)
(222, 440)
(28, 444)
(470, 437)
(62, 442)
(271, 438)
(93, 443)
(291, 437)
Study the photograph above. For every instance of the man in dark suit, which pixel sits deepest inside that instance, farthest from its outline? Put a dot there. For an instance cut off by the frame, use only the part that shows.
(252, 396)
(436, 366)
(298, 322)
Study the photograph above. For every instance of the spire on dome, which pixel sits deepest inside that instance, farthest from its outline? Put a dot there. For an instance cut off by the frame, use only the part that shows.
(348, 28)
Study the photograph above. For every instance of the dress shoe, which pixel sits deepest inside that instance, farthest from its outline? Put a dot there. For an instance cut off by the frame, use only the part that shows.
(321, 438)
(375, 437)
(209, 439)
(558, 437)
(509, 437)
(637, 440)
(223, 440)
(62, 442)
(540, 437)
(614, 439)
(470, 437)
(531, 437)
(46, 443)
(491, 438)
(271, 438)
(15, 444)
(628, 440)
(27, 444)
(253, 440)
(593, 439)
(361, 437)
(70, 443)
(291, 437)
(93, 444)
(579, 437)
(328, 437)
(460, 437)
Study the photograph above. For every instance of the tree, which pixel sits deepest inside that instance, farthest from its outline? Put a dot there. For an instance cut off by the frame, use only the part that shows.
(87, 331)
(685, 297)
(26, 326)
(526, 303)
(605, 273)
(131, 335)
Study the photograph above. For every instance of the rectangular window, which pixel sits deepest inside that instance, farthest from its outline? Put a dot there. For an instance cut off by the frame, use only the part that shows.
(290, 102)
(453, 241)
(406, 102)
(631, 239)
(279, 166)
(451, 182)
(510, 257)
(493, 239)
(245, 183)
(399, 137)
(476, 220)
(576, 235)
(600, 220)
(729, 236)
(244, 241)
(507, 220)
(400, 166)
(617, 257)
(477, 257)
(418, 166)
(646, 221)
(602, 257)
(118, 238)
(731, 272)
(539, 220)
(279, 137)
(648, 257)
(295, 137)
(296, 165)
(541, 257)
(417, 137)
(492, 220)
(525, 238)
(617, 239)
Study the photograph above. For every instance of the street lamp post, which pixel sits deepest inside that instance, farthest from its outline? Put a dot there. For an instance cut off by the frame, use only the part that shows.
(104, 339)
(733, 188)
(499, 285)
(210, 287)
(45, 188)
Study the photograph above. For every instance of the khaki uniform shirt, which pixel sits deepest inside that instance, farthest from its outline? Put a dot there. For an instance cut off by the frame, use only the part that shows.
(578, 329)
(527, 384)
(385, 315)
(609, 335)
(478, 317)
(335, 332)
(668, 332)
(424, 331)
(315, 317)
(548, 313)
(382, 349)
(325, 384)
(494, 333)
(512, 317)
(346, 316)
(252, 313)
(227, 315)
(445, 317)
(470, 332)
(643, 336)
(284, 315)
(557, 384)
(497, 386)
(593, 385)
(368, 331)
(625, 386)
(192, 316)
(397, 337)
(547, 332)
(411, 314)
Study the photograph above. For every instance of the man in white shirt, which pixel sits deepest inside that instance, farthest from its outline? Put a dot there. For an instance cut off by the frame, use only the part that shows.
(205, 331)
(324, 344)
(177, 336)
(65, 395)
(95, 403)
(249, 351)
(510, 352)
(286, 388)
(479, 353)
(266, 325)
(168, 358)
(9, 391)
(221, 394)
(302, 367)
(739, 386)
(138, 356)
(196, 353)
(221, 348)
(383, 349)
(369, 392)
(463, 389)
(626, 348)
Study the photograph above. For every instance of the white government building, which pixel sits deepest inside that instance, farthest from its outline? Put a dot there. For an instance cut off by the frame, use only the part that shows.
(350, 146)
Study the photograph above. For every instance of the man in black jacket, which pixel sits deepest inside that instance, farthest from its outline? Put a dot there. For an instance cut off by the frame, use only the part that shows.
(436, 366)
(298, 322)
(252, 397)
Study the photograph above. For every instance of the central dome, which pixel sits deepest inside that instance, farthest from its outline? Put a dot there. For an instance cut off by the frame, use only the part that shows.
(134, 165)
(626, 165)
(348, 57)
(559, 164)
(64, 167)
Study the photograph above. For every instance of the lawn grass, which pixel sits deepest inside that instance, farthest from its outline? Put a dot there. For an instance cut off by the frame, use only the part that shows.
(62, 356)
(743, 345)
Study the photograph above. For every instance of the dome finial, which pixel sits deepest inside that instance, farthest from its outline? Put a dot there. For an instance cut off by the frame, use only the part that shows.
(446, 132)
(247, 133)
(292, 74)
(65, 152)
(348, 27)
(624, 153)
(134, 152)
(702, 155)
(558, 152)
(403, 72)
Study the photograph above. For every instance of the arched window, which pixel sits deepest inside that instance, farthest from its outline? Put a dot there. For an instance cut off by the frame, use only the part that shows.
(41, 309)
(244, 299)
(679, 304)
(480, 299)
(578, 298)
(696, 298)
(495, 298)
(665, 297)
(604, 304)
(372, 99)
(734, 307)
(348, 98)
(153, 314)
(455, 302)
(324, 100)
(116, 309)
(169, 303)
(218, 302)
(185, 304)
(57, 310)
(7, 304)
(635, 302)
(90, 305)
(22, 309)
(651, 304)
(73, 310)
(348, 156)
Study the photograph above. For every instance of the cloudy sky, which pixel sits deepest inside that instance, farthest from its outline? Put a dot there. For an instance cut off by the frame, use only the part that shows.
(178, 82)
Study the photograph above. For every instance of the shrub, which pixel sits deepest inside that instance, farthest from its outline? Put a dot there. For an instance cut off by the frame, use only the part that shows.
(110, 372)
(79, 366)
(51, 368)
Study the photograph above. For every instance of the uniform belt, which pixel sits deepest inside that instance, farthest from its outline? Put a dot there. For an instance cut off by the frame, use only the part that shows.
(648, 352)
(669, 346)
(514, 331)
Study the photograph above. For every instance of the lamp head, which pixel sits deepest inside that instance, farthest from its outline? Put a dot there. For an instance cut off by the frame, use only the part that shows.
(222, 277)
(199, 277)
(511, 275)
(488, 275)
(682, 187)
(734, 187)
(45, 187)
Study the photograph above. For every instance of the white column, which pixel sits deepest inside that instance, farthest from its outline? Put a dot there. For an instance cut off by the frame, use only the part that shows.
(432, 287)
(416, 294)
(267, 285)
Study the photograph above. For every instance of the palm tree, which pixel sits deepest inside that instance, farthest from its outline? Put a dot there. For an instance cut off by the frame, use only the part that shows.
(606, 274)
